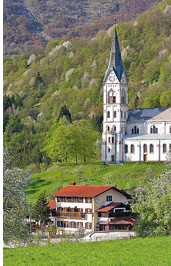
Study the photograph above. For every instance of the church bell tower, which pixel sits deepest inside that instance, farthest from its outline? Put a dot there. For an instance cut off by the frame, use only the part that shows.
(115, 106)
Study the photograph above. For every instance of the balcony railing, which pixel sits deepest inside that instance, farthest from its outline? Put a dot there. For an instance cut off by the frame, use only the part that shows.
(71, 214)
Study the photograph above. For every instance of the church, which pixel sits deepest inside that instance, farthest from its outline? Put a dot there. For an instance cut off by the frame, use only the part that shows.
(142, 134)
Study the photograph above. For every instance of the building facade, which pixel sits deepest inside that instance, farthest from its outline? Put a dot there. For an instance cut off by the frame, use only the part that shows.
(130, 135)
(92, 208)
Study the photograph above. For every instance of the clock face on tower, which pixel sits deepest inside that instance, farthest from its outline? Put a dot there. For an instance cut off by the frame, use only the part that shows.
(112, 78)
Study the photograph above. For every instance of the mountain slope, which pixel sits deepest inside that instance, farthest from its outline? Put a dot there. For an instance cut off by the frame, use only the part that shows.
(29, 24)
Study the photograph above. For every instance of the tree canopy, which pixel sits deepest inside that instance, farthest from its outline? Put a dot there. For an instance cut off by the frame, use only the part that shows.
(154, 205)
(15, 204)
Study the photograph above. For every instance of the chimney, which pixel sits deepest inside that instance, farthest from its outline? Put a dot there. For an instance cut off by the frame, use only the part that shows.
(73, 183)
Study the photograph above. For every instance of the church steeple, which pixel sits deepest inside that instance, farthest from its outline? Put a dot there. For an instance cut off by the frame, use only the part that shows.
(115, 61)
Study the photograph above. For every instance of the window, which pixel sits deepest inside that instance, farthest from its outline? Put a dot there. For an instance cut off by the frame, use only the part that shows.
(89, 211)
(135, 130)
(108, 114)
(114, 128)
(59, 199)
(164, 148)
(59, 223)
(145, 148)
(108, 128)
(151, 148)
(170, 147)
(112, 99)
(126, 148)
(132, 148)
(112, 139)
(114, 114)
(80, 199)
(73, 224)
(108, 149)
(73, 199)
(121, 114)
(109, 198)
(88, 200)
(109, 139)
(80, 225)
(153, 130)
(170, 129)
(123, 97)
(65, 224)
(88, 225)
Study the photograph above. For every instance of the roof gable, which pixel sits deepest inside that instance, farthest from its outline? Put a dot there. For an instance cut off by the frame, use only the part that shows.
(85, 191)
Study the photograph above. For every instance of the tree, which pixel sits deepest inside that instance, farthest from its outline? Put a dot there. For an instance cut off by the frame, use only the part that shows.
(41, 211)
(64, 112)
(15, 204)
(154, 205)
(87, 139)
(62, 142)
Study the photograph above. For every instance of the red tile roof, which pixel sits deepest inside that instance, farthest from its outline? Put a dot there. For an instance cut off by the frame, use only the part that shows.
(85, 191)
(111, 206)
(124, 220)
(51, 204)
(121, 220)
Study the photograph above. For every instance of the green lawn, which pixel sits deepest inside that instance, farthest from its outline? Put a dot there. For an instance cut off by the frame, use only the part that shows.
(148, 251)
(125, 176)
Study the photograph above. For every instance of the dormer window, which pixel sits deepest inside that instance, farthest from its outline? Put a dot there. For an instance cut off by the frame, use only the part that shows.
(109, 198)
(153, 130)
(135, 130)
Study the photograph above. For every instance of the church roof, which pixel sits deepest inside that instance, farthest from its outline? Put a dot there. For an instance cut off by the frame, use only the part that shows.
(144, 114)
(147, 137)
(115, 61)
(164, 116)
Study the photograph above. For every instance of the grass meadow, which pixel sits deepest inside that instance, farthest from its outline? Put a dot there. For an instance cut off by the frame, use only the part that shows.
(126, 177)
(130, 252)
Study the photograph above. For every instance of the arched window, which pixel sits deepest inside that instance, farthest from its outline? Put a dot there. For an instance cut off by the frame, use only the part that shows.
(153, 130)
(114, 114)
(123, 98)
(107, 128)
(132, 148)
(151, 148)
(111, 97)
(145, 148)
(135, 130)
(164, 148)
(126, 148)
(114, 128)
(108, 114)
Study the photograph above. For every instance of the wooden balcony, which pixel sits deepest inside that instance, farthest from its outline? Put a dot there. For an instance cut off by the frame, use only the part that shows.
(71, 215)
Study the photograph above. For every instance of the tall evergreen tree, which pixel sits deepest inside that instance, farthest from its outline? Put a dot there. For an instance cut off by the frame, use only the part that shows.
(64, 112)
(41, 211)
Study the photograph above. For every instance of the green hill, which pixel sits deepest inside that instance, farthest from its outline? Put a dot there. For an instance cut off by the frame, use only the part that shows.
(126, 177)
(71, 74)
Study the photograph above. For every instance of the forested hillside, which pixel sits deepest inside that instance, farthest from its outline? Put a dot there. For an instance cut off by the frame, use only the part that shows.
(30, 24)
(66, 79)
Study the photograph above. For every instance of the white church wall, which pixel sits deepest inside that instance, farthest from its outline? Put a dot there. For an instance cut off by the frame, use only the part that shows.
(156, 150)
